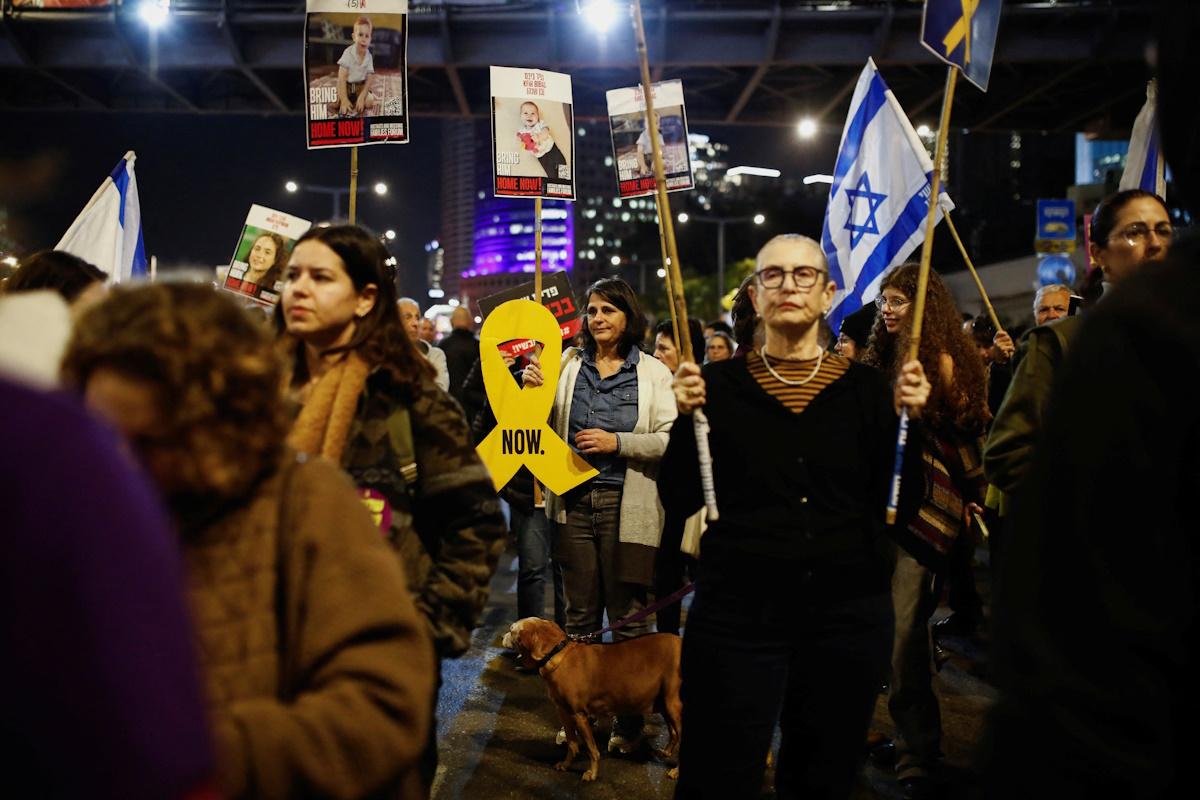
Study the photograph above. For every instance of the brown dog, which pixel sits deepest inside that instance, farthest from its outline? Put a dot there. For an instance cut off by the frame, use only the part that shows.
(636, 676)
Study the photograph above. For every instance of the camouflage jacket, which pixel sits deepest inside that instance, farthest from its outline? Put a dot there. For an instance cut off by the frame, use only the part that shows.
(448, 529)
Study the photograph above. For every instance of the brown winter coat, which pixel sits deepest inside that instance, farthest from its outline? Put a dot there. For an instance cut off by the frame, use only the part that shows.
(334, 700)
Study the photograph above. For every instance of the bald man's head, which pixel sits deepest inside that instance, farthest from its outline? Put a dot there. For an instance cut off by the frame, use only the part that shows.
(460, 318)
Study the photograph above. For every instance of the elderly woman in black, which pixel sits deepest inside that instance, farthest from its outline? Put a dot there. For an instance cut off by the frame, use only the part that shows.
(792, 618)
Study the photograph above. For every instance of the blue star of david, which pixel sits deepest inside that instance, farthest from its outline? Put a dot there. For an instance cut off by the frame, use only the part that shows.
(874, 201)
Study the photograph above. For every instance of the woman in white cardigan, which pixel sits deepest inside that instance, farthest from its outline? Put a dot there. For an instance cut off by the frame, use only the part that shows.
(614, 406)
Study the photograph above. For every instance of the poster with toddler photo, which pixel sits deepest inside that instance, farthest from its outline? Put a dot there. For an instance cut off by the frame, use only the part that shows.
(633, 154)
(533, 144)
(355, 76)
(261, 256)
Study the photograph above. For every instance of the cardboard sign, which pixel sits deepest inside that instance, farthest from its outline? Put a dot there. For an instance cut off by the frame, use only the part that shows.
(556, 296)
(261, 256)
(633, 156)
(355, 72)
(521, 436)
(533, 134)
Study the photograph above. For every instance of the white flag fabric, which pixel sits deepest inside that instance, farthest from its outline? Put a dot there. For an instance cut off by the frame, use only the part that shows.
(108, 232)
(879, 198)
(1144, 167)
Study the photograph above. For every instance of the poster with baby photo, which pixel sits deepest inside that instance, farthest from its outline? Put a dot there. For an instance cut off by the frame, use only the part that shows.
(261, 256)
(355, 72)
(633, 154)
(533, 145)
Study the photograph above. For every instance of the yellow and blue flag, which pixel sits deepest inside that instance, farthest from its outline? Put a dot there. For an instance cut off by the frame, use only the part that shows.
(963, 34)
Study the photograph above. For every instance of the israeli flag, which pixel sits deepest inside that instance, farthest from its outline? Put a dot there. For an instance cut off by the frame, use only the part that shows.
(1144, 168)
(879, 198)
(108, 232)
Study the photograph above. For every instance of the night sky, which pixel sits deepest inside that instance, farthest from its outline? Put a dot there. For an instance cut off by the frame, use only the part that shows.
(198, 175)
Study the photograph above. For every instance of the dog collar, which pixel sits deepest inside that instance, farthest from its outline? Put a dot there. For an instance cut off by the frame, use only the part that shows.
(558, 648)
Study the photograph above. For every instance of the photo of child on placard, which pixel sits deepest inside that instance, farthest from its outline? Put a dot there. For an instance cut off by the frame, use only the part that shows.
(532, 133)
(632, 149)
(355, 72)
(260, 259)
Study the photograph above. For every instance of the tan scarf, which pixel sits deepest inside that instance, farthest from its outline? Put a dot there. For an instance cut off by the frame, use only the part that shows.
(324, 421)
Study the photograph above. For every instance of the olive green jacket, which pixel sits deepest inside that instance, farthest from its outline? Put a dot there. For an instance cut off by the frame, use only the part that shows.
(1014, 434)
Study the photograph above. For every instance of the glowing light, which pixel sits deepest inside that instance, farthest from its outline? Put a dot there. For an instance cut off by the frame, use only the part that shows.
(154, 12)
(807, 128)
(390, 234)
(759, 219)
(923, 131)
(437, 293)
(809, 180)
(292, 186)
(662, 273)
(600, 14)
(763, 171)
(381, 188)
(615, 260)
(683, 217)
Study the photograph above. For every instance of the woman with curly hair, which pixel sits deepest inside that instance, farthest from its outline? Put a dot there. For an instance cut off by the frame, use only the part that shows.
(317, 664)
(953, 423)
(267, 260)
(613, 405)
(368, 402)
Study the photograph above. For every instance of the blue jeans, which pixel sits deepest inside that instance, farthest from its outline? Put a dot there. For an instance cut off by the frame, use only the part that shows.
(532, 531)
(754, 654)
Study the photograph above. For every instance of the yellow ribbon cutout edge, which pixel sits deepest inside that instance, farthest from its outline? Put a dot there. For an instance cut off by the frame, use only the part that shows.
(522, 413)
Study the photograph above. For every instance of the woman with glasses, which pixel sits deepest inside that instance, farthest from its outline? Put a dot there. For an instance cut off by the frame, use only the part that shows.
(950, 445)
(792, 617)
(1129, 229)
(613, 405)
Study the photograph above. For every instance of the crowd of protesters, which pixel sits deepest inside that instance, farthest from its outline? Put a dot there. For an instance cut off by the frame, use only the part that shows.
(236, 555)
(337, 531)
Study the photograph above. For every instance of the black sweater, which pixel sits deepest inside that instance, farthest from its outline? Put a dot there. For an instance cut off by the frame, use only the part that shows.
(803, 495)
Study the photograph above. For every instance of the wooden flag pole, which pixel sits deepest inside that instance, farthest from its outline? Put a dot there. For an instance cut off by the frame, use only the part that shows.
(683, 336)
(918, 312)
(537, 249)
(353, 181)
(962, 249)
(662, 241)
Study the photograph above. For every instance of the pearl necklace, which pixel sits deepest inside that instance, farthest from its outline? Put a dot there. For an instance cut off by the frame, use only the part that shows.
(781, 379)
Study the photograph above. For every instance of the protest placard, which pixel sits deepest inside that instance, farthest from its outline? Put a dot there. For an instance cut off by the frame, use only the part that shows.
(261, 256)
(355, 72)
(533, 145)
(556, 296)
(632, 154)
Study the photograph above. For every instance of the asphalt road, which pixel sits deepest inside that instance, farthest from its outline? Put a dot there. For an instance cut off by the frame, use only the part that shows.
(496, 726)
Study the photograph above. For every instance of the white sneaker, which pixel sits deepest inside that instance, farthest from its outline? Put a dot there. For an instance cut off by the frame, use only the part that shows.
(618, 740)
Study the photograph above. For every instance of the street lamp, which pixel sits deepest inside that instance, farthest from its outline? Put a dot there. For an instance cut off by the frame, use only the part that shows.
(721, 222)
(336, 192)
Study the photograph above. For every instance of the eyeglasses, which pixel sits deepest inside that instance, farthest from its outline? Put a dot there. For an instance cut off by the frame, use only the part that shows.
(1137, 233)
(803, 277)
(890, 303)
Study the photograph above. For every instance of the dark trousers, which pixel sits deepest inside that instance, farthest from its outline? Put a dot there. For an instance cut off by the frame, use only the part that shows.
(964, 595)
(585, 548)
(753, 655)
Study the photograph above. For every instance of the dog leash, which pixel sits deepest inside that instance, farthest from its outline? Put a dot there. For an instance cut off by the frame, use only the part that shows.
(674, 597)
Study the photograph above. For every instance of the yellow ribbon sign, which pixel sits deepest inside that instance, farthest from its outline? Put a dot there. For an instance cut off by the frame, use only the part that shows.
(522, 435)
